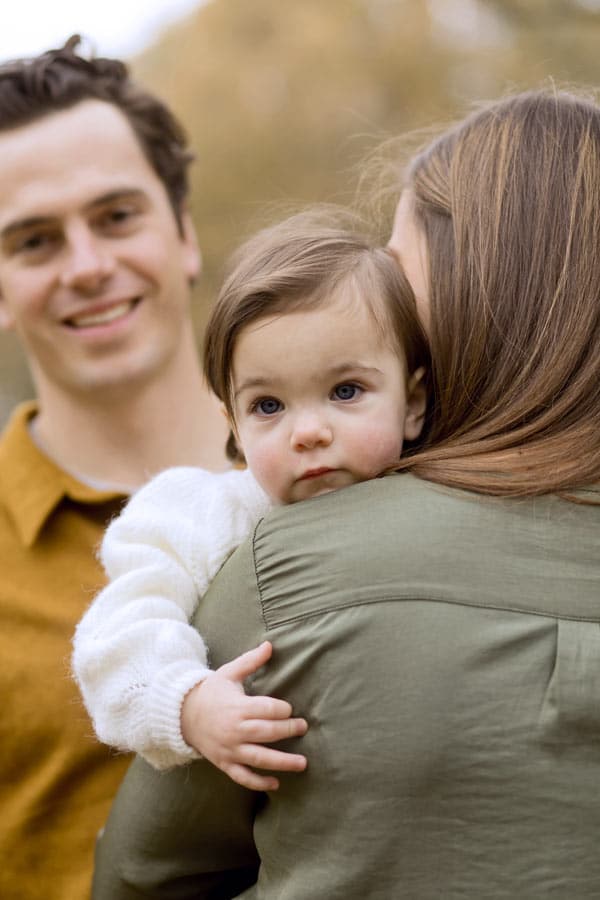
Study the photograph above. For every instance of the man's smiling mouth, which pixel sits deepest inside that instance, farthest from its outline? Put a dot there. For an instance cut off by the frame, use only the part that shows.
(103, 317)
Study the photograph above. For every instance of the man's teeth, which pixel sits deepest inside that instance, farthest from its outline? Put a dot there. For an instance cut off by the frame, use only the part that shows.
(102, 317)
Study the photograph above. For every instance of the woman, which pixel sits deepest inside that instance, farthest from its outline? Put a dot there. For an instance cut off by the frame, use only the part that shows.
(499, 228)
(443, 643)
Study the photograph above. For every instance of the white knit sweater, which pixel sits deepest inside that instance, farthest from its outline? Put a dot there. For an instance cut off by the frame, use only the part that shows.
(135, 654)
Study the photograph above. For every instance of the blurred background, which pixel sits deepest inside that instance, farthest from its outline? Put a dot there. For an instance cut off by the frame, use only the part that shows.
(283, 99)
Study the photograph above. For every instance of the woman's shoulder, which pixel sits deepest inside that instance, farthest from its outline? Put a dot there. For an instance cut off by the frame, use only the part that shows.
(423, 540)
(404, 499)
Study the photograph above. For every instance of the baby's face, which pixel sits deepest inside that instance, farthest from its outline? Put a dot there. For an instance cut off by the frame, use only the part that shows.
(320, 400)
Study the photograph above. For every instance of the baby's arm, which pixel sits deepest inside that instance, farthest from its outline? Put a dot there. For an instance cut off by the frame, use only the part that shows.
(135, 655)
(230, 727)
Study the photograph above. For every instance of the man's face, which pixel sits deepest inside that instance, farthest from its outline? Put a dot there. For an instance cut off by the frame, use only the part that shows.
(94, 273)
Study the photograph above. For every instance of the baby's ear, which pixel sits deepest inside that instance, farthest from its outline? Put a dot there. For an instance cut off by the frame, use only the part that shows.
(416, 404)
(233, 450)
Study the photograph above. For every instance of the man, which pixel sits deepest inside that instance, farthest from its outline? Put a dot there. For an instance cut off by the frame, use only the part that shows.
(97, 255)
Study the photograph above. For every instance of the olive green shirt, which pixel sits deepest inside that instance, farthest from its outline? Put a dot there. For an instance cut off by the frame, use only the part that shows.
(445, 649)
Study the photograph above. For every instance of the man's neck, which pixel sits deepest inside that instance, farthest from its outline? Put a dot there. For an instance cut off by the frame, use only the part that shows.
(125, 436)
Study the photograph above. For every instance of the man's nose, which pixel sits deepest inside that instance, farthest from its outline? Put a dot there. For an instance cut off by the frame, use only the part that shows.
(310, 429)
(88, 262)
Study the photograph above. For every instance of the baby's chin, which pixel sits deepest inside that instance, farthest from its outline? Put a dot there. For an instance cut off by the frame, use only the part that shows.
(318, 487)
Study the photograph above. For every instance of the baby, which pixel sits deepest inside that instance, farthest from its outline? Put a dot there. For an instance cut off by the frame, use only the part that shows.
(316, 352)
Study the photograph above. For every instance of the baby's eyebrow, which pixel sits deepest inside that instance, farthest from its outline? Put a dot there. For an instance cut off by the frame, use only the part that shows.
(251, 384)
(340, 370)
(343, 369)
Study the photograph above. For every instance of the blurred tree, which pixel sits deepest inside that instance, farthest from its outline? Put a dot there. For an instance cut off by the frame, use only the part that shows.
(282, 100)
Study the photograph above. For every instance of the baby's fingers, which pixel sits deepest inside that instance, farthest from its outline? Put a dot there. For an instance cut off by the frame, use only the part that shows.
(260, 757)
(266, 731)
(251, 780)
(247, 663)
(265, 708)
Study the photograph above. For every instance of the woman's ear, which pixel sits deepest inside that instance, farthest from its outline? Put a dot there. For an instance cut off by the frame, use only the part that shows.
(416, 404)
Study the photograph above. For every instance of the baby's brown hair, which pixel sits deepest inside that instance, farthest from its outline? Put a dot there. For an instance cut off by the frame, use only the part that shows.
(300, 264)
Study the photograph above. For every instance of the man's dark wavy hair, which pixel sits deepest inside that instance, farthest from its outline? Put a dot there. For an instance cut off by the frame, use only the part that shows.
(59, 79)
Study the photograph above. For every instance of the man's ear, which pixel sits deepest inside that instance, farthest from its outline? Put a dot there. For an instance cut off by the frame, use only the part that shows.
(7, 320)
(416, 404)
(192, 257)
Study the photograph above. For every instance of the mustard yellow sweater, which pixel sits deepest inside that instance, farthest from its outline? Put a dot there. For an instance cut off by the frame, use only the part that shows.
(56, 780)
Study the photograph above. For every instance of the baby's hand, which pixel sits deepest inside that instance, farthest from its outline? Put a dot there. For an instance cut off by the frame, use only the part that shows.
(228, 727)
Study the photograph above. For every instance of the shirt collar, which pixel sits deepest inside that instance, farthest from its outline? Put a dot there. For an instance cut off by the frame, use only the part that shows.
(31, 484)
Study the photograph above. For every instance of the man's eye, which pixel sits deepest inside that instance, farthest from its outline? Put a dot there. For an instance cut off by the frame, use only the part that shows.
(32, 246)
(121, 214)
(267, 406)
(117, 215)
(33, 242)
(346, 391)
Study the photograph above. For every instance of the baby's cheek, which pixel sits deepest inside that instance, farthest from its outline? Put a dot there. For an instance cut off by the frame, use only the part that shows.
(379, 448)
(266, 465)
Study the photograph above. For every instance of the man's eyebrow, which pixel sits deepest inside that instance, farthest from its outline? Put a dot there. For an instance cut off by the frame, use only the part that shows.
(40, 221)
(125, 193)
(22, 224)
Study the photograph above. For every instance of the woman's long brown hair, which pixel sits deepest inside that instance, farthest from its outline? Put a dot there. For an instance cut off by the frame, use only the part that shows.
(509, 203)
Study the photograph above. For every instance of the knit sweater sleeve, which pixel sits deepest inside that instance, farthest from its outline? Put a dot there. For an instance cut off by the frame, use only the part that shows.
(135, 655)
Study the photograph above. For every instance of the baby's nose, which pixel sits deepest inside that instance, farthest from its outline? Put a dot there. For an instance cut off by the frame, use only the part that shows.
(311, 430)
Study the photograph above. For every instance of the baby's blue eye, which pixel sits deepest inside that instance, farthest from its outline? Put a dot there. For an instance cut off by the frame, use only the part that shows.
(345, 391)
(268, 406)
